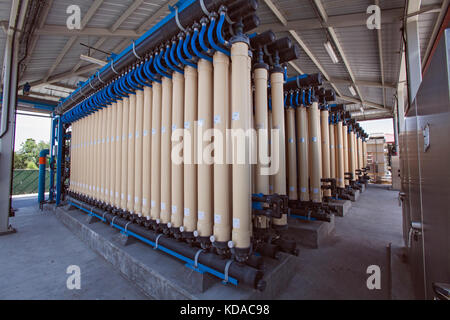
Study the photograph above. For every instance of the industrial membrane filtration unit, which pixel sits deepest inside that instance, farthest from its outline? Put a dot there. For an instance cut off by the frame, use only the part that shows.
(161, 143)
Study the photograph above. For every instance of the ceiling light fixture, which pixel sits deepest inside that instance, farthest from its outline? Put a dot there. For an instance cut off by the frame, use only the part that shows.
(352, 90)
(93, 60)
(331, 52)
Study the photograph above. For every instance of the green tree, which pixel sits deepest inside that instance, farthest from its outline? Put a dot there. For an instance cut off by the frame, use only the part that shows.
(29, 153)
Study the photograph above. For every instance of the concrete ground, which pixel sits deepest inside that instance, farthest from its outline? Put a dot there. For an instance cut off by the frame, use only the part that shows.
(337, 270)
(36, 257)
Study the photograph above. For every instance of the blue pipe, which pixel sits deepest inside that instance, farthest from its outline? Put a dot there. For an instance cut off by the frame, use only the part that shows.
(52, 159)
(131, 82)
(163, 69)
(140, 78)
(170, 64)
(201, 39)
(211, 38)
(186, 48)
(220, 38)
(194, 48)
(157, 64)
(180, 56)
(148, 72)
(59, 161)
(41, 184)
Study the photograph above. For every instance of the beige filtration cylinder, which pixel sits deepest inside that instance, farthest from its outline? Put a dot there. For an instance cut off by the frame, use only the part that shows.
(332, 151)
(73, 157)
(80, 156)
(360, 154)
(325, 138)
(103, 154)
(131, 152)
(176, 218)
(118, 155)
(262, 127)
(303, 153)
(270, 146)
(351, 153)
(95, 155)
(91, 143)
(98, 154)
(315, 152)
(205, 166)
(112, 172)
(292, 154)
(146, 152)
(340, 168)
(241, 168)
(222, 191)
(346, 157)
(108, 154)
(166, 163)
(124, 171)
(189, 150)
(138, 145)
(279, 146)
(155, 203)
(364, 144)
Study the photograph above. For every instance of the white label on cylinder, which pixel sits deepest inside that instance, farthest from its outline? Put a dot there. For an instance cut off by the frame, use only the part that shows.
(112, 139)
(292, 188)
(236, 223)
(331, 146)
(302, 140)
(270, 187)
(122, 196)
(117, 138)
(217, 218)
(137, 134)
(111, 193)
(136, 199)
(153, 203)
(235, 116)
(303, 190)
(144, 201)
(163, 206)
(117, 194)
(291, 140)
(107, 139)
(316, 190)
(153, 131)
(217, 119)
(130, 135)
(106, 191)
(201, 215)
(163, 129)
(103, 140)
(201, 122)
(340, 146)
(187, 125)
(186, 212)
(314, 139)
(129, 197)
(174, 209)
(174, 127)
(101, 189)
(145, 133)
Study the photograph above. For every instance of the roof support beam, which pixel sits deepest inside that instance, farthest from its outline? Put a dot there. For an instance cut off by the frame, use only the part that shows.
(413, 49)
(283, 21)
(94, 7)
(335, 39)
(380, 54)
(367, 103)
(436, 27)
(55, 30)
(363, 83)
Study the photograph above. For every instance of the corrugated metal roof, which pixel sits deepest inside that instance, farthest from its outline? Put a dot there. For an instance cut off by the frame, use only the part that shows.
(360, 45)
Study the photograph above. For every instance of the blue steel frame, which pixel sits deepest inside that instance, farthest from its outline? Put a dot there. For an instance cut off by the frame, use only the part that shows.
(59, 159)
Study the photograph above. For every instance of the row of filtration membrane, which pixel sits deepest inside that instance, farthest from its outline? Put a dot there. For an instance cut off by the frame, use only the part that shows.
(205, 140)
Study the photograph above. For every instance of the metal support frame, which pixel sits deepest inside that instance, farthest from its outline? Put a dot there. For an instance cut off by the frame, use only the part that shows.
(9, 102)
(53, 135)
(59, 159)
(413, 50)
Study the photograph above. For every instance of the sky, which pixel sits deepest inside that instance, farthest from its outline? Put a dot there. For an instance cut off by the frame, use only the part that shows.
(31, 127)
(378, 126)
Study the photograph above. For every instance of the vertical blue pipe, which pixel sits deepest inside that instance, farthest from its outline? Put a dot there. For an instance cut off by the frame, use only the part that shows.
(41, 185)
(52, 160)
(59, 160)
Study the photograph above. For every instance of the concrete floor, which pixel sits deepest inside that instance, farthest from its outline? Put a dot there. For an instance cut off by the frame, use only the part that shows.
(337, 270)
(35, 259)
